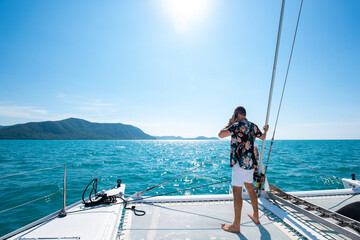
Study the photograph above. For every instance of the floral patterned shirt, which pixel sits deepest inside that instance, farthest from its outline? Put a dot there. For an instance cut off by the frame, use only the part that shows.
(242, 144)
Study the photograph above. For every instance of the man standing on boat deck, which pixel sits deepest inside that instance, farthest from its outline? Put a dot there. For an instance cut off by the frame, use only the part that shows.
(242, 161)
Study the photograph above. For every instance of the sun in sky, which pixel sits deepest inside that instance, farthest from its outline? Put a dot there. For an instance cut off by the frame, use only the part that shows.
(184, 64)
(186, 13)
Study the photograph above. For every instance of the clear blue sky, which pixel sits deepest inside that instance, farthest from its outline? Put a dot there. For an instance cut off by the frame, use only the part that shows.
(180, 67)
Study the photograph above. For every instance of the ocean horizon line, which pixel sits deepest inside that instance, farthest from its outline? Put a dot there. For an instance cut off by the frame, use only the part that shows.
(185, 139)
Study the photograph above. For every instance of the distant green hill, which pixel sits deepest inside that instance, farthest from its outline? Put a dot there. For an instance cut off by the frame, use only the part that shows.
(206, 138)
(181, 138)
(72, 128)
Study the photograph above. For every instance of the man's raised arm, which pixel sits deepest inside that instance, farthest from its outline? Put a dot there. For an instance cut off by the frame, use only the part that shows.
(265, 128)
(224, 133)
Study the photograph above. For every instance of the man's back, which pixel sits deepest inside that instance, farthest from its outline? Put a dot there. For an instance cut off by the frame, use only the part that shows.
(243, 136)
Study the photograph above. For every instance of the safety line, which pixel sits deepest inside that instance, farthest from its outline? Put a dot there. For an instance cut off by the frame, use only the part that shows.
(27, 202)
(16, 174)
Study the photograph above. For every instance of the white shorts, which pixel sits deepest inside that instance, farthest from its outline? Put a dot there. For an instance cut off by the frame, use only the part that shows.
(241, 176)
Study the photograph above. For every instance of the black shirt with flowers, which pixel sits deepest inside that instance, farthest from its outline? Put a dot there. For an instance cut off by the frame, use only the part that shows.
(242, 143)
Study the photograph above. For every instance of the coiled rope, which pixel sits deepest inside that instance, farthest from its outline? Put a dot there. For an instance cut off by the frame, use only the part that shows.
(125, 201)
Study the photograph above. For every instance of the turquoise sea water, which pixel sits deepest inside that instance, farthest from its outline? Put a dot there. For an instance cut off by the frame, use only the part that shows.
(141, 164)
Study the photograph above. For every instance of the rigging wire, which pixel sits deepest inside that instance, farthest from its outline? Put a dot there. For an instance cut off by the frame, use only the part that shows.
(282, 94)
(182, 190)
(334, 177)
(273, 77)
(191, 170)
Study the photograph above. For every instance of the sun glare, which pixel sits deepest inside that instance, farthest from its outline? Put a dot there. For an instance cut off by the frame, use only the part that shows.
(186, 13)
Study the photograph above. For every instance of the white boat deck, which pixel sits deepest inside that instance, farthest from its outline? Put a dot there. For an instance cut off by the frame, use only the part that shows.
(196, 217)
(93, 223)
(200, 220)
(318, 229)
(199, 217)
(333, 203)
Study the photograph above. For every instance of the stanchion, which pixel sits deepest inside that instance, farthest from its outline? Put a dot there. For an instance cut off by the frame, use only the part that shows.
(63, 211)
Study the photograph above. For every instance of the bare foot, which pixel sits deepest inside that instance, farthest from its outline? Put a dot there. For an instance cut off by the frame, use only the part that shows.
(255, 219)
(230, 227)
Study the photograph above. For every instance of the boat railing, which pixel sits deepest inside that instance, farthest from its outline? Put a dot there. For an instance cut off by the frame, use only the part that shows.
(62, 212)
(58, 213)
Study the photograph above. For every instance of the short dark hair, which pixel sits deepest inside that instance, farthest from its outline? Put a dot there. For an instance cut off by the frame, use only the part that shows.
(240, 110)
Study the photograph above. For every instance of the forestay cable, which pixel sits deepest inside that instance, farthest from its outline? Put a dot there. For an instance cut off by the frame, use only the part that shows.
(273, 77)
(282, 94)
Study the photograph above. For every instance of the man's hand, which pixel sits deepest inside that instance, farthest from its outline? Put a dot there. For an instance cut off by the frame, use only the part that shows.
(231, 121)
(266, 128)
(224, 132)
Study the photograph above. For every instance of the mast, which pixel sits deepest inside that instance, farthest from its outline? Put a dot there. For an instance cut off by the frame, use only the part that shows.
(272, 84)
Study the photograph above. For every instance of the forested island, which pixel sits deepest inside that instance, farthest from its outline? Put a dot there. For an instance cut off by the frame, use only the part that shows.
(80, 129)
